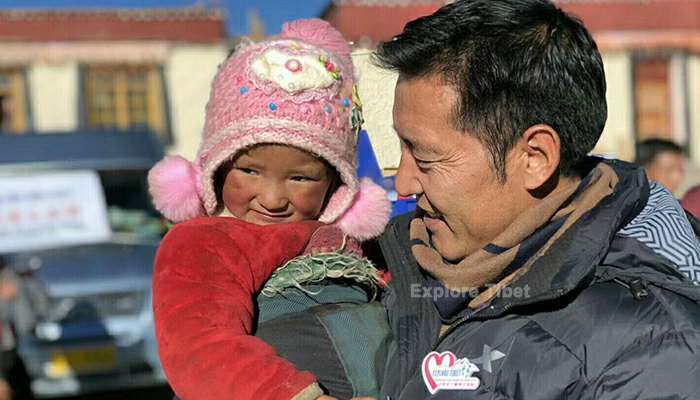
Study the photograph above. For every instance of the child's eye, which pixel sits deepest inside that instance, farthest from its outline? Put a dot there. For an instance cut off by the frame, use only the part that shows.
(247, 171)
(301, 178)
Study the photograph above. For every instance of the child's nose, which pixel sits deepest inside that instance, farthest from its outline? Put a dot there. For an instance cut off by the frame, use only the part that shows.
(274, 198)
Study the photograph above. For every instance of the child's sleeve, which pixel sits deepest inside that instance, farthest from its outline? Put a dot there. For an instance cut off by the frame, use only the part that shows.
(206, 272)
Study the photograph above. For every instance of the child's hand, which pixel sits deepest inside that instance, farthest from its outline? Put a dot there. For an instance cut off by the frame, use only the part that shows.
(330, 239)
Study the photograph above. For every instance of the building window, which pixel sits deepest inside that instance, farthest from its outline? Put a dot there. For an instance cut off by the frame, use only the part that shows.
(660, 97)
(129, 97)
(13, 101)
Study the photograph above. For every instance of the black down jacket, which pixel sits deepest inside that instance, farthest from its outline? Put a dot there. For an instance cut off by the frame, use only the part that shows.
(611, 313)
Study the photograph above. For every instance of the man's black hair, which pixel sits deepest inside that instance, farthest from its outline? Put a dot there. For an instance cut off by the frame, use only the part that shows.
(514, 64)
(648, 149)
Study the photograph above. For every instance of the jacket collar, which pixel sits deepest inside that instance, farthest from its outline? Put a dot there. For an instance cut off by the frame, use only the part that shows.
(571, 264)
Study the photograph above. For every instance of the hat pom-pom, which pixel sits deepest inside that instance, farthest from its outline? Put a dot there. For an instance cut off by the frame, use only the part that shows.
(319, 33)
(173, 186)
(368, 214)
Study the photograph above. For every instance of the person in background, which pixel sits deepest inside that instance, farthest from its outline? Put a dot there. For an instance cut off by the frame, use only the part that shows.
(23, 301)
(664, 162)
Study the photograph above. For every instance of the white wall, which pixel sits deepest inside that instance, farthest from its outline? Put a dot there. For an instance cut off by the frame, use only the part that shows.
(376, 88)
(618, 136)
(53, 97)
(189, 71)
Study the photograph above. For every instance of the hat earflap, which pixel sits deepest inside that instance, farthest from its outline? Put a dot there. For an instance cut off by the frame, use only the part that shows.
(369, 213)
(174, 186)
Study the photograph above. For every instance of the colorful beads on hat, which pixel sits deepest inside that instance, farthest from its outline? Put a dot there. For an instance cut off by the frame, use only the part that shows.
(328, 108)
(243, 89)
(346, 102)
(272, 106)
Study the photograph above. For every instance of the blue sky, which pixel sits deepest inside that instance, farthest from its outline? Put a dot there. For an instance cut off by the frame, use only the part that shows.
(272, 12)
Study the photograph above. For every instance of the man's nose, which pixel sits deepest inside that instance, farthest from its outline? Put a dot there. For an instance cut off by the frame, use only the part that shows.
(406, 182)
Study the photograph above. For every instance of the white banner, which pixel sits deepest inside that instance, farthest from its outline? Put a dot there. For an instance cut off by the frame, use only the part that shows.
(47, 210)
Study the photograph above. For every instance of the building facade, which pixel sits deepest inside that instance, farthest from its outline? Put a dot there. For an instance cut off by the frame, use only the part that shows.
(63, 71)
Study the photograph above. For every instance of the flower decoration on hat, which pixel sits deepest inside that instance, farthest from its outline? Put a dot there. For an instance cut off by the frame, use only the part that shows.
(295, 72)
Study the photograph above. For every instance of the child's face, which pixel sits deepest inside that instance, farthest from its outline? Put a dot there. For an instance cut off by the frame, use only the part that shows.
(272, 184)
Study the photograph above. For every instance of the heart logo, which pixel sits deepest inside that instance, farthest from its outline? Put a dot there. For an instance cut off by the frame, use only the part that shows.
(443, 371)
(434, 361)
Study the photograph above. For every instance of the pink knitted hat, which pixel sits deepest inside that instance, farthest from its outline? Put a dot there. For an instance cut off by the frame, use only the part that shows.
(296, 89)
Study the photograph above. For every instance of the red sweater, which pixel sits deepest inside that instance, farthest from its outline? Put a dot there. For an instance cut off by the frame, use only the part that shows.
(206, 272)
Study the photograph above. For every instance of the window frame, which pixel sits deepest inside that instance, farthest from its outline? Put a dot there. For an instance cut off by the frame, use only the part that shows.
(156, 97)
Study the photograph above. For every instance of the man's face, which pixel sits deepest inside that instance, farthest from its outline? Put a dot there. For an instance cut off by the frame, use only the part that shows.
(667, 168)
(450, 171)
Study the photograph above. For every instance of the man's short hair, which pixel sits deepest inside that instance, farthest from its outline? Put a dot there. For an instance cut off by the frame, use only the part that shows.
(648, 149)
(514, 64)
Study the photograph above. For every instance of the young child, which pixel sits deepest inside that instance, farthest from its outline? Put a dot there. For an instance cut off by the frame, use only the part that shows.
(277, 164)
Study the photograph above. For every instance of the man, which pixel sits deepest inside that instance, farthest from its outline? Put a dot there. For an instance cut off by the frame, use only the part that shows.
(529, 270)
(664, 162)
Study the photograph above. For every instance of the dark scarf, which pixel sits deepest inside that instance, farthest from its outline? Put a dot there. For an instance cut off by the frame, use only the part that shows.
(512, 253)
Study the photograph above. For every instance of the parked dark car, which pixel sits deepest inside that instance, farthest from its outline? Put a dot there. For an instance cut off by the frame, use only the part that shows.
(98, 333)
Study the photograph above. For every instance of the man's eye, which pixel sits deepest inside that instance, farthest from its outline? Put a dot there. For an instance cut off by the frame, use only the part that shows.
(422, 165)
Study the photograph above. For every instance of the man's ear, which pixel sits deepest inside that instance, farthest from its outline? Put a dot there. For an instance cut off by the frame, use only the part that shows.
(540, 147)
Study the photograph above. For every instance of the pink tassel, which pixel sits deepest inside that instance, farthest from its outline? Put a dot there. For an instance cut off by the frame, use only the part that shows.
(369, 213)
(173, 186)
